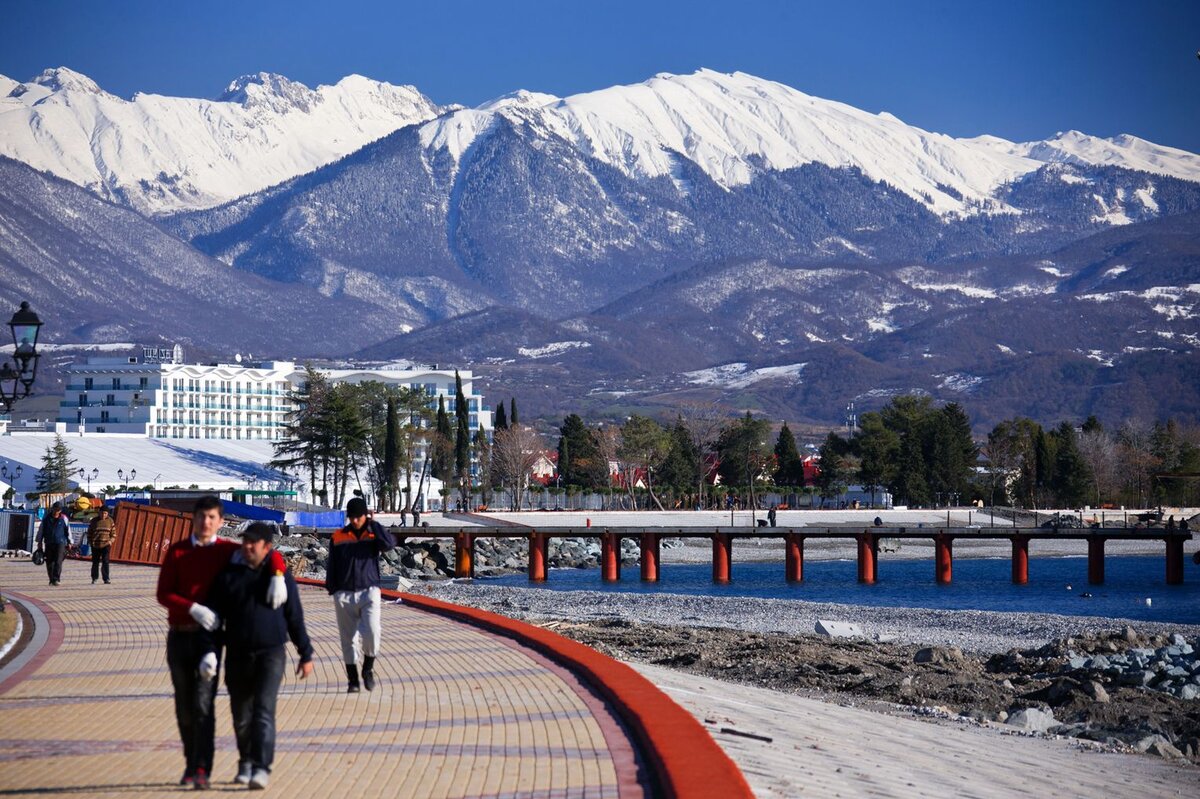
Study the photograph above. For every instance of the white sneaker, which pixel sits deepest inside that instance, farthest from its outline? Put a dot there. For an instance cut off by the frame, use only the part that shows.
(245, 771)
(260, 779)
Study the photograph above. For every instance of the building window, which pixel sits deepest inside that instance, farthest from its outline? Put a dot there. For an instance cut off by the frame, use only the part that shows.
(116, 383)
(87, 384)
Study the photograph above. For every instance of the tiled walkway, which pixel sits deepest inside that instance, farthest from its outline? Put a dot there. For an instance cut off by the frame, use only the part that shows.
(459, 712)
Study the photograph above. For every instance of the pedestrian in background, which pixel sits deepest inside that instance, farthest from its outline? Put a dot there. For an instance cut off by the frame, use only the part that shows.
(352, 578)
(254, 635)
(101, 533)
(54, 536)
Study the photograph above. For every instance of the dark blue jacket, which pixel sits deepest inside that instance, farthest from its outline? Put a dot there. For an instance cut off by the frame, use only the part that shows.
(239, 596)
(354, 557)
(54, 531)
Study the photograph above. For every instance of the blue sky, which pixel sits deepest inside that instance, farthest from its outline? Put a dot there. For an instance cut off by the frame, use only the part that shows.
(1022, 70)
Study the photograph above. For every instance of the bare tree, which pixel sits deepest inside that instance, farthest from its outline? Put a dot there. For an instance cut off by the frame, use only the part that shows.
(608, 441)
(1139, 462)
(703, 422)
(514, 452)
(1099, 451)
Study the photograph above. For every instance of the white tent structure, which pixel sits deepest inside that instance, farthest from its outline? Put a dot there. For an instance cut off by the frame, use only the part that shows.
(215, 464)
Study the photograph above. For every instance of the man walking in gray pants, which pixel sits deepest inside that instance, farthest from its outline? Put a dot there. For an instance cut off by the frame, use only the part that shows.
(352, 578)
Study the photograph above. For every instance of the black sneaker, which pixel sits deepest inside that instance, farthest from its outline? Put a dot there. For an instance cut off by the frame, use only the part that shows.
(368, 680)
(200, 781)
(188, 777)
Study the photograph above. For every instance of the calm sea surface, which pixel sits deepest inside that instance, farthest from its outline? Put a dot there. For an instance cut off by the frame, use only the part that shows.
(1056, 585)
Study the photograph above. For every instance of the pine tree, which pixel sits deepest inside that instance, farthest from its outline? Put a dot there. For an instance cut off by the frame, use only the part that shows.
(1071, 477)
(57, 468)
(579, 459)
(501, 421)
(789, 470)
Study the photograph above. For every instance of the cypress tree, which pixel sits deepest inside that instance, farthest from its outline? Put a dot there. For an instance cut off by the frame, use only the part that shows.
(501, 421)
(462, 439)
(513, 419)
(391, 454)
(443, 443)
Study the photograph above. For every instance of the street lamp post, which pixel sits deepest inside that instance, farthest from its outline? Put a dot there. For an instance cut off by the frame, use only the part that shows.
(89, 476)
(17, 383)
(15, 474)
(122, 477)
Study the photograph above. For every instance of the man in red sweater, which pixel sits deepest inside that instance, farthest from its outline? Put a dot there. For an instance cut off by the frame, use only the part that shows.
(187, 572)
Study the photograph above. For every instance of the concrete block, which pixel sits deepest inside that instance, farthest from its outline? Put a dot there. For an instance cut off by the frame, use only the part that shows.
(838, 629)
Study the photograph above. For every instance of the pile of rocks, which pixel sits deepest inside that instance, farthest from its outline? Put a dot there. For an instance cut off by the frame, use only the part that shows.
(434, 560)
(1173, 668)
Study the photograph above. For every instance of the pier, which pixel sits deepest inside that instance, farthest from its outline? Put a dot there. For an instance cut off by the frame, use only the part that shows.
(649, 542)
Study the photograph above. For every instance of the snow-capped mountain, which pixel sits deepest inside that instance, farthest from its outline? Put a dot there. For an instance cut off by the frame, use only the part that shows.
(161, 154)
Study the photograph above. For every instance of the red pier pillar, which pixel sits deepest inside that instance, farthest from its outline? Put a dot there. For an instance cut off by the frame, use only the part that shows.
(650, 557)
(944, 560)
(1174, 560)
(867, 558)
(464, 555)
(537, 557)
(1096, 561)
(1020, 559)
(610, 557)
(722, 557)
(794, 554)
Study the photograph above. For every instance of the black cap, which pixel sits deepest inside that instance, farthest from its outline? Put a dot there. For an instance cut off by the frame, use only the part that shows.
(259, 531)
(356, 507)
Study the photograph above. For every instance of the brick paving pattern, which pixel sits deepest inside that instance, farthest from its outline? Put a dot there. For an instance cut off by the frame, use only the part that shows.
(458, 712)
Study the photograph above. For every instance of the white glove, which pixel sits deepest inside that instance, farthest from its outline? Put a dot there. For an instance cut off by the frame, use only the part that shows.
(208, 666)
(204, 617)
(277, 592)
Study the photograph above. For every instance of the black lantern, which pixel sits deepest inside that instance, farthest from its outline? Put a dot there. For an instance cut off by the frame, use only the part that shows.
(25, 327)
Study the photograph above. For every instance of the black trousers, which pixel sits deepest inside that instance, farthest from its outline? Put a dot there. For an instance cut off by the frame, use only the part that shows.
(100, 563)
(55, 555)
(193, 698)
(253, 680)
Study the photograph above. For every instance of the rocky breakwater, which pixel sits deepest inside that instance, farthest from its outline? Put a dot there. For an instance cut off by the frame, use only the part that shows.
(308, 555)
(1127, 689)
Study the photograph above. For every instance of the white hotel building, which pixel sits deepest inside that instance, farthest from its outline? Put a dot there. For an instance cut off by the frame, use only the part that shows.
(159, 396)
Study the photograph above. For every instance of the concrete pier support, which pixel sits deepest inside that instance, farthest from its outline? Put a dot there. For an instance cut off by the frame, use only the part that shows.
(610, 557)
(1096, 561)
(722, 557)
(794, 557)
(1020, 559)
(464, 555)
(868, 553)
(944, 559)
(538, 548)
(649, 557)
(1175, 560)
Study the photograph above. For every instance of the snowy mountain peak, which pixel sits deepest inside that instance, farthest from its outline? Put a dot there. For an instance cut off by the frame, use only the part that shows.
(520, 99)
(63, 79)
(267, 89)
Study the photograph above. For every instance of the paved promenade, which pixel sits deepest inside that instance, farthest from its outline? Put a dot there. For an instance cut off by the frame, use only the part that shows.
(459, 712)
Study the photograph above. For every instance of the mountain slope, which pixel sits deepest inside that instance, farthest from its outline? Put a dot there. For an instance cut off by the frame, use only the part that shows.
(96, 272)
(159, 154)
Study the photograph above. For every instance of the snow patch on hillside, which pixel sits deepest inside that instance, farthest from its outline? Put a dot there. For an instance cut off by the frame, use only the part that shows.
(737, 375)
(549, 350)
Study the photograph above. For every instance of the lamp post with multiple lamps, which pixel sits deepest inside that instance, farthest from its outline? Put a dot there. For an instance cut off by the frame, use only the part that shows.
(13, 474)
(16, 378)
(121, 475)
(84, 474)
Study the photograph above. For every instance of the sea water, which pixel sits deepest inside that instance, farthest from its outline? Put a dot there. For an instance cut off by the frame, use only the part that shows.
(1134, 586)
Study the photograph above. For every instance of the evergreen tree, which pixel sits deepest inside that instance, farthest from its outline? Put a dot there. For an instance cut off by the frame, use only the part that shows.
(462, 441)
(834, 474)
(513, 419)
(579, 459)
(1092, 425)
(789, 470)
(1043, 459)
(742, 450)
(442, 461)
(678, 469)
(392, 454)
(501, 421)
(878, 449)
(1071, 477)
(57, 468)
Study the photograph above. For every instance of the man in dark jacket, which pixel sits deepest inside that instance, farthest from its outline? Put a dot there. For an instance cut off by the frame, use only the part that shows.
(101, 533)
(352, 577)
(54, 535)
(254, 635)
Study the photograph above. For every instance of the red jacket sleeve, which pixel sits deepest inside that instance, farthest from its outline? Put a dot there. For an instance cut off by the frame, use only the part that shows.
(167, 577)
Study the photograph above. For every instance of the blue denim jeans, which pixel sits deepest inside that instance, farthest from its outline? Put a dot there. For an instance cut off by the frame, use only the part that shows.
(193, 698)
(253, 680)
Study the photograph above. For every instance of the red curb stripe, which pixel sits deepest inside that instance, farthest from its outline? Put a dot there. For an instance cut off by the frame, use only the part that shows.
(684, 759)
(53, 639)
